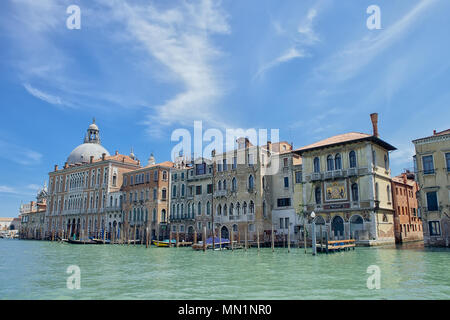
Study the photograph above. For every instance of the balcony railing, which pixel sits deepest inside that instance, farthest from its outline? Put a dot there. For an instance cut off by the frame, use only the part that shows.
(328, 175)
(352, 172)
(338, 173)
(315, 176)
(220, 193)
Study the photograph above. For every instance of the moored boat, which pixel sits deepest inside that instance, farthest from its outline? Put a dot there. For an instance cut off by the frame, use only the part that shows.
(164, 243)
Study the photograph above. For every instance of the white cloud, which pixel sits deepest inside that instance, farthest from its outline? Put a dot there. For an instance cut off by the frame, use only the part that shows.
(303, 38)
(19, 154)
(305, 29)
(180, 39)
(289, 55)
(6, 189)
(43, 96)
(348, 62)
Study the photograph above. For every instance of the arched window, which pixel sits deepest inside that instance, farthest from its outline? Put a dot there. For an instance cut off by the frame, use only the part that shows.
(330, 163)
(234, 185)
(386, 162)
(182, 211)
(352, 159)
(251, 183)
(173, 211)
(208, 208)
(238, 209)
(252, 207)
(355, 195)
(316, 164)
(388, 191)
(178, 211)
(174, 191)
(219, 210)
(231, 209)
(199, 208)
(164, 176)
(318, 195)
(219, 185)
(224, 184)
(245, 207)
(163, 194)
(163, 215)
(225, 210)
(337, 162)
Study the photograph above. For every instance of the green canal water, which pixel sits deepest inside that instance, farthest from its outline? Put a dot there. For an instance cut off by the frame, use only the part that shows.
(37, 270)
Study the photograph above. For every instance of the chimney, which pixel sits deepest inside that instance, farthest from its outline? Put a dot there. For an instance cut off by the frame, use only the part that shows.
(269, 145)
(103, 156)
(91, 159)
(56, 167)
(66, 165)
(374, 118)
(434, 132)
(117, 153)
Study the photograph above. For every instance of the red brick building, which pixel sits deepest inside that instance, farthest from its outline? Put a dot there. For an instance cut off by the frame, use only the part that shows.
(407, 220)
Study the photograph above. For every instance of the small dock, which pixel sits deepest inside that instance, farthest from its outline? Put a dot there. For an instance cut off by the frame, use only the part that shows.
(336, 245)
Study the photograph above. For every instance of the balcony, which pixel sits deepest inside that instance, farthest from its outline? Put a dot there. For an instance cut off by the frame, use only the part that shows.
(220, 193)
(316, 176)
(338, 173)
(352, 172)
(328, 175)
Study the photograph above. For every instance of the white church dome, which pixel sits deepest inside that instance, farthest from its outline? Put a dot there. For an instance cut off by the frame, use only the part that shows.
(90, 147)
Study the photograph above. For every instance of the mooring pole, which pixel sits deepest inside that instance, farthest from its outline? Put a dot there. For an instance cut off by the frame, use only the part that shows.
(273, 241)
(314, 248)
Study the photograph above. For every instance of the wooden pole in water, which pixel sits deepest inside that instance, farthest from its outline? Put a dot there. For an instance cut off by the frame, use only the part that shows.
(232, 239)
(289, 239)
(195, 236)
(170, 239)
(304, 234)
(321, 239)
(134, 238)
(204, 238)
(246, 243)
(273, 241)
(257, 237)
(146, 237)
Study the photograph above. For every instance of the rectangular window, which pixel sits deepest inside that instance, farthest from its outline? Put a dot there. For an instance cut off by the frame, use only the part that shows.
(298, 177)
(286, 223)
(284, 202)
(225, 167)
(198, 190)
(428, 166)
(209, 189)
(219, 167)
(281, 223)
(432, 203)
(200, 169)
(447, 161)
(286, 182)
(435, 228)
(234, 163)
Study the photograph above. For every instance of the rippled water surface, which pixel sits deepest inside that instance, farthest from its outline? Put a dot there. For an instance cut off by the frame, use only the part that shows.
(37, 270)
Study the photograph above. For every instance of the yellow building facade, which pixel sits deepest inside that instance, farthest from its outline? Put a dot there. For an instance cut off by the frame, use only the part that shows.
(432, 166)
(346, 182)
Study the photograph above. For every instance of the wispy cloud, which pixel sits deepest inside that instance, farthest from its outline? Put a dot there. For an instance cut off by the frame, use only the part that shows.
(18, 154)
(179, 38)
(303, 37)
(349, 62)
(291, 54)
(43, 96)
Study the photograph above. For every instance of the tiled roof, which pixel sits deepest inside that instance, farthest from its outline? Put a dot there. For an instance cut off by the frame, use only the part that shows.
(344, 138)
(442, 133)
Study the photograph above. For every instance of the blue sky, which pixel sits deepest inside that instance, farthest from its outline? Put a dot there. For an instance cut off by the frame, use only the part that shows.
(144, 68)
